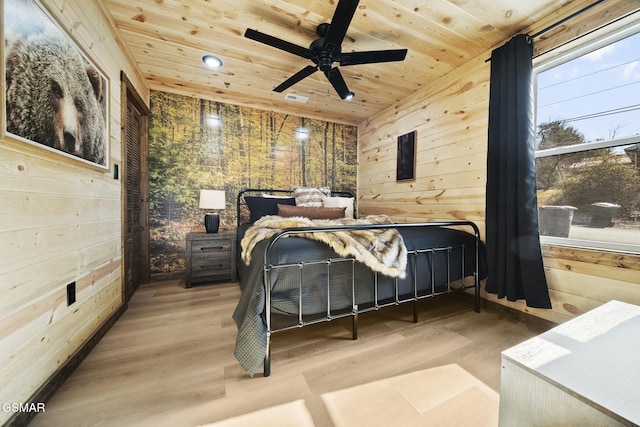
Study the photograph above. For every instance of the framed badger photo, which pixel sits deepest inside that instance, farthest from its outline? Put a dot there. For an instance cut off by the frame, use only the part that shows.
(54, 96)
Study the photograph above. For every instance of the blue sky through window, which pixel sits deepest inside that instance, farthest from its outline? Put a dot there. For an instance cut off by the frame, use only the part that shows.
(598, 94)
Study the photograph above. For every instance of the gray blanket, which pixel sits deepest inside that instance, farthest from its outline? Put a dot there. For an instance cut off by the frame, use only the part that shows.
(251, 341)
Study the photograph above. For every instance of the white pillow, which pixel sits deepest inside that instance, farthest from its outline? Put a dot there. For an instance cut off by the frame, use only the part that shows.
(340, 202)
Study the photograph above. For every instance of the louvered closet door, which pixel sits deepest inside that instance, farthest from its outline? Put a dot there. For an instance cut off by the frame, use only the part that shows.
(135, 250)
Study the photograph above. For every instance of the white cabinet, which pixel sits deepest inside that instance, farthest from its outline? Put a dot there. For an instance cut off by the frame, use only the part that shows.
(585, 372)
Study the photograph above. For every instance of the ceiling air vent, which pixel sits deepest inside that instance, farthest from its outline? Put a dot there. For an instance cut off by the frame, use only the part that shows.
(296, 98)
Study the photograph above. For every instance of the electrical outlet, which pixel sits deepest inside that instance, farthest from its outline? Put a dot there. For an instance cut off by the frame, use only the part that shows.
(71, 293)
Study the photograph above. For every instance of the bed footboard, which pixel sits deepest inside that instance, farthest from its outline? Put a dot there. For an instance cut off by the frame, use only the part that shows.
(447, 267)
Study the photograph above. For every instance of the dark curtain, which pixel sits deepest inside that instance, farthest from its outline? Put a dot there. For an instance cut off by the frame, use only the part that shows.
(513, 244)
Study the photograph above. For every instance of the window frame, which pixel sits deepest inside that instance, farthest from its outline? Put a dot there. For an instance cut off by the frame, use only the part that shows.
(591, 42)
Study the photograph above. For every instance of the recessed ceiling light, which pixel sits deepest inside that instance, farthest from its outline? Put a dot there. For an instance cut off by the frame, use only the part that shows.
(212, 61)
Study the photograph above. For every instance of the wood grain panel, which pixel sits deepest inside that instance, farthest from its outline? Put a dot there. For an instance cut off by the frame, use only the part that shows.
(33, 318)
(36, 208)
(596, 269)
(60, 222)
(583, 24)
(575, 293)
(611, 259)
(428, 213)
(425, 197)
(167, 40)
(372, 186)
(27, 284)
(601, 291)
(41, 354)
(29, 247)
(26, 169)
(455, 157)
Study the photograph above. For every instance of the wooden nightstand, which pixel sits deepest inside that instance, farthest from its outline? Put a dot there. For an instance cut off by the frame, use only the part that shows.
(210, 257)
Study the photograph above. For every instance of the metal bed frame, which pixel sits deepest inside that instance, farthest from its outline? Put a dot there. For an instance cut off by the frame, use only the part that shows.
(376, 304)
(355, 310)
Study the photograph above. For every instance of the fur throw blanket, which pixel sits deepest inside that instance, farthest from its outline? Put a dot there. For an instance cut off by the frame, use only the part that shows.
(382, 250)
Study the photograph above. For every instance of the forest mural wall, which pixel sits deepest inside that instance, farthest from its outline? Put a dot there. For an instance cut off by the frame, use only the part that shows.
(199, 144)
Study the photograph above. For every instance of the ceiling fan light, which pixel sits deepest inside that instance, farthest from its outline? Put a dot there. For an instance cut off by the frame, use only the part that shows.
(212, 61)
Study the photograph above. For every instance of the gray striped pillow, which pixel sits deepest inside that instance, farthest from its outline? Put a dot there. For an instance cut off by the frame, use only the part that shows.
(313, 197)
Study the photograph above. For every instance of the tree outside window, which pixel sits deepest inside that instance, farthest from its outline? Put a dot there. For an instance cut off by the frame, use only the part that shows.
(588, 144)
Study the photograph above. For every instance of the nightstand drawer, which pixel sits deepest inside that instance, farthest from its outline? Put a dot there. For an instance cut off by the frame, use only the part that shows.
(211, 267)
(199, 247)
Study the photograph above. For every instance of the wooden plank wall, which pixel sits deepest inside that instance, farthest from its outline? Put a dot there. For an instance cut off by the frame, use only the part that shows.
(60, 222)
(450, 117)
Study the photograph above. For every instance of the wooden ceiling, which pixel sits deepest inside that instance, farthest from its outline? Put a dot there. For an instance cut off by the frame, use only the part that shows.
(168, 38)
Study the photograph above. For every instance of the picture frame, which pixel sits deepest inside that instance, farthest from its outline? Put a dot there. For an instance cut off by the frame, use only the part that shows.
(55, 97)
(406, 161)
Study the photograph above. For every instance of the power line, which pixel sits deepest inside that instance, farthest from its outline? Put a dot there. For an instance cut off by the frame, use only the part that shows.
(588, 74)
(604, 113)
(589, 94)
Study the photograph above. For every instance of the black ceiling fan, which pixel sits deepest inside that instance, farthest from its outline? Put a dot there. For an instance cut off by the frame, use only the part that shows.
(326, 50)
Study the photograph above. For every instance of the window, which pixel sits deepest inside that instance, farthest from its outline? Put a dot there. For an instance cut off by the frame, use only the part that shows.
(588, 142)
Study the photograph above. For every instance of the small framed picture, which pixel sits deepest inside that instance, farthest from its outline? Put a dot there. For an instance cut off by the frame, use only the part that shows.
(406, 157)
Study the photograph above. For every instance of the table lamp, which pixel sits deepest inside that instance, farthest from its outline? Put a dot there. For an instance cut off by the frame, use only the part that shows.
(212, 199)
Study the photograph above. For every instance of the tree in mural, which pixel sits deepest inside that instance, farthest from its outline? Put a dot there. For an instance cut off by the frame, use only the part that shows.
(200, 144)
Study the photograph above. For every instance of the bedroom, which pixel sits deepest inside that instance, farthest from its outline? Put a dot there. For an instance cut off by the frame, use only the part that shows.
(89, 215)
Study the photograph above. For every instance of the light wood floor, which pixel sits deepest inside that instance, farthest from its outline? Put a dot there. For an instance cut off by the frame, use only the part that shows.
(168, 361)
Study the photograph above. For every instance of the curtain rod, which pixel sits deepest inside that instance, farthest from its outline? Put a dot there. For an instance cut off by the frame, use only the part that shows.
(562, 21)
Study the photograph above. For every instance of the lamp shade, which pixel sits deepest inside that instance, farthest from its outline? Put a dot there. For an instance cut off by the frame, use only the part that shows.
(212, 199)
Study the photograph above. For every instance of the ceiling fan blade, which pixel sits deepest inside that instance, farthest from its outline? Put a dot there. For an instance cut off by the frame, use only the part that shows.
(305, 72)
(340, 22)
(338, 83)
(278, 43)
(372, 56)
